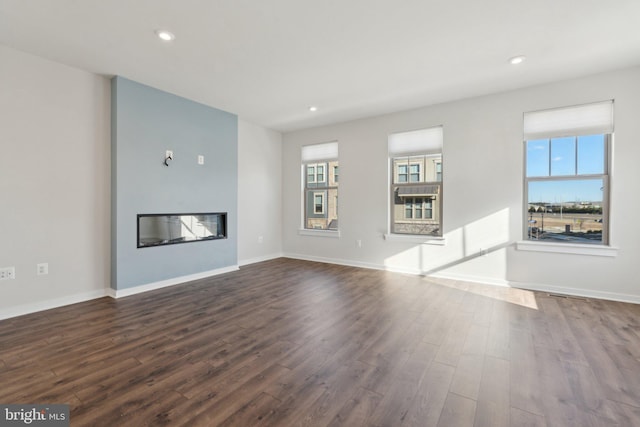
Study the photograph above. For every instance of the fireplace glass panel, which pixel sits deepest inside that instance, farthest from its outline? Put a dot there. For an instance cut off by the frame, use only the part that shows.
(168, 229)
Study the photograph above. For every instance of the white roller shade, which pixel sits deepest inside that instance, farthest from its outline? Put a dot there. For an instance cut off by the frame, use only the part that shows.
(416, 142)
(325, 151)
(588, 119)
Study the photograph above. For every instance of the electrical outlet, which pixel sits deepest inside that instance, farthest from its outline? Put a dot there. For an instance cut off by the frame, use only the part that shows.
(43, 268)
(7, 273)
(168, 153)
(201, 160)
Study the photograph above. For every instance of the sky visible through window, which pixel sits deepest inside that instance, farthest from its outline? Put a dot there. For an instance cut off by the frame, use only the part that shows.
(565, 157)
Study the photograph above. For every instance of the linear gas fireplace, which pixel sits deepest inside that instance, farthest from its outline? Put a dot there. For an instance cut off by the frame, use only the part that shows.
(169, 229)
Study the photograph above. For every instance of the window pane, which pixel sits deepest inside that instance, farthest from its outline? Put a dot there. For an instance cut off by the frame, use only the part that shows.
(320, 175)
(407, 209)
(591, 154)
(415, 173)
(311, 174)
(563, 156)
(418, 207)
(538, 157)
(566, 210)
(402, 175)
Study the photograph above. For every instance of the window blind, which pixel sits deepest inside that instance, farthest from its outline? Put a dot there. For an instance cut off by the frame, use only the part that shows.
(588, 119)
(416, 142)
(325, 151)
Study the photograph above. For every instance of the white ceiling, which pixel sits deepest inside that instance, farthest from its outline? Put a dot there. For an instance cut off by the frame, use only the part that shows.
(269, 60)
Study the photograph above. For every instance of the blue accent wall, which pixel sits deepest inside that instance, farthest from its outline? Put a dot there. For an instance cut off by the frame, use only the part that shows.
(145, 123)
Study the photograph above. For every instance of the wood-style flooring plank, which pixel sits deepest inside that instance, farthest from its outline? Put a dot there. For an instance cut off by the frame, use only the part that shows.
(356, 410)
(457, 411)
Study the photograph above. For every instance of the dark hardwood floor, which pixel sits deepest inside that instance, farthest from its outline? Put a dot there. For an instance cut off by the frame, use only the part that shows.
(288, 343)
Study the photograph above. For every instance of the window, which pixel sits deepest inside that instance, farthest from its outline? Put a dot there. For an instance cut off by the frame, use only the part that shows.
(407, 170)
(315, 173)
(566, 180)
(415, 173)
(415, 160)
(402, 173)
(418, 208)
(318, 203)
(320, 186)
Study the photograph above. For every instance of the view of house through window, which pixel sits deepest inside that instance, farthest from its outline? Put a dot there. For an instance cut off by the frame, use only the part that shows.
(567, 174)
(320, 176)
(416, 182)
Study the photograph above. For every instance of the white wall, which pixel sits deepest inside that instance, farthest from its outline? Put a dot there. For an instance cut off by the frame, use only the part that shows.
(54, 182)
(259, 193)
(483, 165)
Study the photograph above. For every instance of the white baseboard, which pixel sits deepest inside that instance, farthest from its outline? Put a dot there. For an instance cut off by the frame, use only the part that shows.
(473, 279)
(259, 259)
(611, 296)
(52, 303)
(397, 269)
(586, 293)
(336, 261)
(121, 293)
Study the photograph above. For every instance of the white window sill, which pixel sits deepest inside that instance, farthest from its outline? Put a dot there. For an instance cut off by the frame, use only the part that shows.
(567, 248)
(319, 233)
(415, 238)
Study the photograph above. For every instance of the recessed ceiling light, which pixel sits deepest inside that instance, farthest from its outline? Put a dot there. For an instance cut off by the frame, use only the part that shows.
(165, 35)
(313, 108)
(517, 59)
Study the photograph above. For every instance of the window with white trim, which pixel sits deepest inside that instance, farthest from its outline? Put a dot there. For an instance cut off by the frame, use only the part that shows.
(415, 162)
(318, 203)
(418, 208)
(320, 186)
(566, 177)
(315, 173)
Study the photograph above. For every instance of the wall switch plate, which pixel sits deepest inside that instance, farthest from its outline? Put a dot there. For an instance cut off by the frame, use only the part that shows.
(7, 273)
(43, 268)
(260, 239)
(201, 160)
